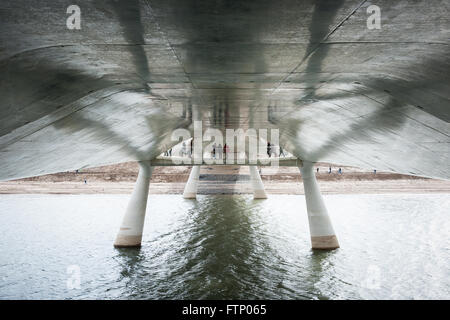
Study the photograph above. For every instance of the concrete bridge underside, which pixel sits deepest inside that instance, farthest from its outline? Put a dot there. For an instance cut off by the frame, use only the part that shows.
(115, 90)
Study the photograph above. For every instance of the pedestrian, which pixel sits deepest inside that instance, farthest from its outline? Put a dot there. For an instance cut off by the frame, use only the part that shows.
(214, 150)
(374, 171)
(268, 148)
(227, 151)
(329, 170)
(282, 152)
(340, 171)
(220, 150)
(317, 170)
(192, 146)
(183, 149)
(170, 152)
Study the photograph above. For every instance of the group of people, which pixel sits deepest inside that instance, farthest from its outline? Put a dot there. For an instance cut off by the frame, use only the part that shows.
(168, 153)
(271, 149)
(329, 170)
(187, 152)
(219, 152)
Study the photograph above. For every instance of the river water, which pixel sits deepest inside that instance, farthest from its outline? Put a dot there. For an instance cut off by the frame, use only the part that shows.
(224, 247)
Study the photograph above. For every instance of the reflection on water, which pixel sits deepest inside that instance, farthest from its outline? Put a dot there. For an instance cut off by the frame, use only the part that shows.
(225, 247)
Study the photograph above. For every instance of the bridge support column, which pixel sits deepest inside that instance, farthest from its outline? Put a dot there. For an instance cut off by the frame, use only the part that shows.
(320, 227)
(190, 190)
(130, 233)
(258, 186)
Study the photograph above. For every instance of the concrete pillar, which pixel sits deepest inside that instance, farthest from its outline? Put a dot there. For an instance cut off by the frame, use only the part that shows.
(320, 227)
(258, 187)
(190, 190)
(130, 233)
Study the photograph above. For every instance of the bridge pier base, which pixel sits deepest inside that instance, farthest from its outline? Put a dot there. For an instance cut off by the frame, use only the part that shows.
(258, 187)
(190, 190)
(320, 227)
(130, 232)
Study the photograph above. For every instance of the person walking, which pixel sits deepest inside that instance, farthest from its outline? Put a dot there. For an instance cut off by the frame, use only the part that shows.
(282, 152)
(220, 151)
(183, 149)
(214, 150)
(225, 151)
(268, 148)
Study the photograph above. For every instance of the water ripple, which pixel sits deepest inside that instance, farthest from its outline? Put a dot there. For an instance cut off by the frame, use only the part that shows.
(225, 247)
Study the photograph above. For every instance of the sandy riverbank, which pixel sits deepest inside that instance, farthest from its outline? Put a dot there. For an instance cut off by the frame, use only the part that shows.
(119, 179)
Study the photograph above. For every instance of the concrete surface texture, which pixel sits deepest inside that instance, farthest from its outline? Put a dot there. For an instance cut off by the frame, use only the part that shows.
(130, 232)
(114, 90)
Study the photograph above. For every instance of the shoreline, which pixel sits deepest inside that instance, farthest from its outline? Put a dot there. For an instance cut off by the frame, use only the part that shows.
(326, 187)
(120, 179)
